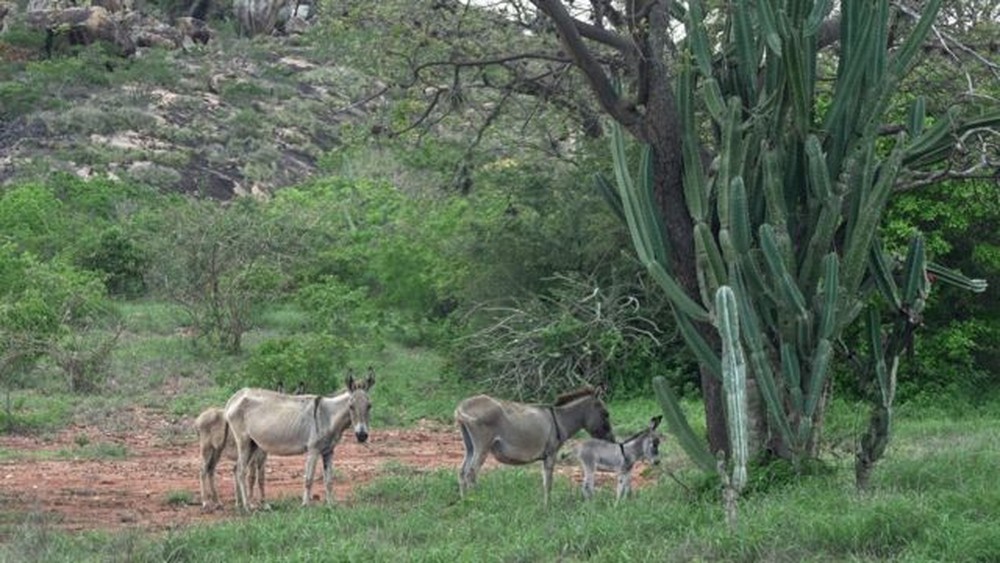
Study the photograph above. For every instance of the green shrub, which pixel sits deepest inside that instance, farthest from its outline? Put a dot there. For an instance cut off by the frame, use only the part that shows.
(18, 98)
(317, 361)
(26, 412)
(120, 259)
(333, 307)
(34, 219)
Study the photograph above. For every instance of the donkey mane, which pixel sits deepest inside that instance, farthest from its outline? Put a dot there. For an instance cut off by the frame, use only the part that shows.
(571, 396)
(634, 436)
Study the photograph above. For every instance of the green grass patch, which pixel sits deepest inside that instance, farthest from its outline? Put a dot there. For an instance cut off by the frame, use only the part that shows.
(180, 498)
(410, 387)
(152, 317)
(26, 411)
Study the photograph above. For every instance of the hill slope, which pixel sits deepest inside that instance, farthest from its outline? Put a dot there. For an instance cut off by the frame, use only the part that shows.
(232, 117)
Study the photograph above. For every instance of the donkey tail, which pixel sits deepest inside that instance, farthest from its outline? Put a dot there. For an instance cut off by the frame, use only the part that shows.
(216, 454)
(466, 437)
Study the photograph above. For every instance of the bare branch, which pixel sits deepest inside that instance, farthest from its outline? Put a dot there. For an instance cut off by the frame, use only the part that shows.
(585, 60)
(946, 39)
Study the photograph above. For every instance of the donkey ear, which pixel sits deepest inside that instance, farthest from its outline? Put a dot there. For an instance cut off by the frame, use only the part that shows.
(350, 380)
(601, 391)
(655, 421)
(370, 380)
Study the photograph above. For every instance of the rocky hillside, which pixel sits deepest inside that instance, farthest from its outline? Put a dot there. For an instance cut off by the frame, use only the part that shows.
(177, 107)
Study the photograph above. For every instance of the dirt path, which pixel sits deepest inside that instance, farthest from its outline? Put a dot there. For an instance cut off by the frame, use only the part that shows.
(159, 465)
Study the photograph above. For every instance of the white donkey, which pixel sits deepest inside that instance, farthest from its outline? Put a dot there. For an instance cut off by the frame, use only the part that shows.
(216, 443)
(282, 424)
(619, 457)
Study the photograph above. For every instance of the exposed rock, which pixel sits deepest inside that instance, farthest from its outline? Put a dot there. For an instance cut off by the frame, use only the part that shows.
(120, 25)
(114, 6)
(195, 29)
(7, 13)
(49, 5)
(295, 26)
(258, 17)
(79, 26)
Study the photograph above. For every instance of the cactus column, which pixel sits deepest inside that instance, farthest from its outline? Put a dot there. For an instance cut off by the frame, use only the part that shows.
(786, 214)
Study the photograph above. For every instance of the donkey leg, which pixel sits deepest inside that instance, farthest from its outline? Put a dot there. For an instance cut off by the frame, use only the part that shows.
(209, 494)
(261, 458)
(624, 486)
(310, 469)
(463, 477)
(475, 457)
(204, 478)
(251, 483)
(475, 464)
(588, 482)
(236, 485)
(328, 476)
(548, 464)
(244, 451)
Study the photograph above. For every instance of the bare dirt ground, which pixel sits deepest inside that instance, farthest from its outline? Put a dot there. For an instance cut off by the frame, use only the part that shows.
(161, 465)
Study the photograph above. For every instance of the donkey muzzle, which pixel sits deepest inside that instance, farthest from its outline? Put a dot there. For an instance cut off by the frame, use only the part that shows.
(361, 435)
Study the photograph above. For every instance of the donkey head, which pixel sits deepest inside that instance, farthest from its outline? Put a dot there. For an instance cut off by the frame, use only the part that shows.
(651, 441)
(597, 421)
(359, 406)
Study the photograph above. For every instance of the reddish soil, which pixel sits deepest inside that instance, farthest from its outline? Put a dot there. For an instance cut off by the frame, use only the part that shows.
(162, 464)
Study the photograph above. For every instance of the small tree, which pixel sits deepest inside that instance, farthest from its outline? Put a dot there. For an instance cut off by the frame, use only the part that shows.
(219, 262)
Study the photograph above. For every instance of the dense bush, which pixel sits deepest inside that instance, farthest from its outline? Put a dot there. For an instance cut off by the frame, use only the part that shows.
(372, 258)
(118, 256)
(314, 360)
(81, 221)
(957, 350)
(51, 309)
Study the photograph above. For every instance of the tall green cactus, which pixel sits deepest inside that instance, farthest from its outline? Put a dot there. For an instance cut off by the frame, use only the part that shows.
(734, 382)
(787, 214)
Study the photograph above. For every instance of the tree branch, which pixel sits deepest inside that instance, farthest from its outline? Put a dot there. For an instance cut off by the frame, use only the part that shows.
(603, 36)
(572, 39)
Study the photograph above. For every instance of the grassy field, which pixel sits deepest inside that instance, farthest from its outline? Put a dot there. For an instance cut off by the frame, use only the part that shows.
(934, 498)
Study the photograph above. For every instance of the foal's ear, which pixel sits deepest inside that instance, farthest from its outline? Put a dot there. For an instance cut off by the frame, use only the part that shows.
(655, 421)
(350, 380)
(370, 380)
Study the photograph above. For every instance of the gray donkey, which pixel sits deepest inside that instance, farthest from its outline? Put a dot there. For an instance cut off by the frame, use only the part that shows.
(285, 425)
(518, 433)
(619, 457)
